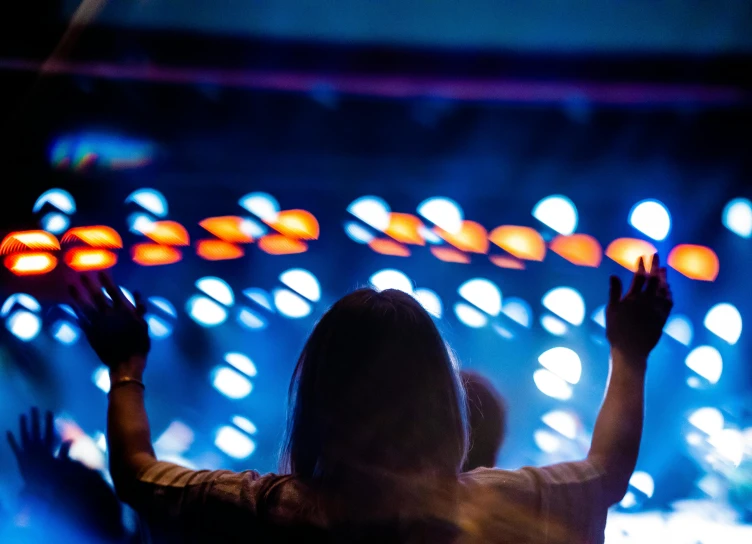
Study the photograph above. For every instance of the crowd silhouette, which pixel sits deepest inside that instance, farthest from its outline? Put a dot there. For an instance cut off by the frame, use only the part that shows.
(386, 440)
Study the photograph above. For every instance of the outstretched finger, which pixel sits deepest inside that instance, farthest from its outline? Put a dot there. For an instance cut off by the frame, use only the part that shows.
(116, 295)
(15, 448)
(614, 290)
(654, 279)
(140, 305)
(36, 433)
(23, 428)
(638, 281)
(95, 293)
(64, 452)
(49, 431)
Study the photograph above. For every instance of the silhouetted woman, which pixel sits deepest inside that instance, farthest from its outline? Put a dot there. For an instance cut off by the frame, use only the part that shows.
(377, 436)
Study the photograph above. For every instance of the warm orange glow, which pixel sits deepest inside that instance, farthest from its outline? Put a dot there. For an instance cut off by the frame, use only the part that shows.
(228, 228)
(450, 255)
(169, 233)
(405, 228)
(38, 240)
(472, 237)
(30, 264)
(521, 242)
(385, 246)
(502, 261)
(147, 254)
(627, 252)
(579, 249)
(278, 244)
(695, 262)
(298, 224)
(98, 236)
(218, 250)
(83, 259)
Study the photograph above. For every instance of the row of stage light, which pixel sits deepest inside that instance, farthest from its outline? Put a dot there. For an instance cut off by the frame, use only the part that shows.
(440, 226)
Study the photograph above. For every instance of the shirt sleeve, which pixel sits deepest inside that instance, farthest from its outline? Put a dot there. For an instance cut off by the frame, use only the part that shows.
(185, 505)
(572, 506)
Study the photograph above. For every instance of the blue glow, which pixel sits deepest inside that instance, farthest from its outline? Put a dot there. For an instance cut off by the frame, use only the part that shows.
(65, 332)
(372, 210)
(566, 303)
(164, 305)
(140, 223)
(290, 304)
(260, 297)
(234, 443)
(55, 222)
(302, 282)
(251, 320)
(470, 316)
(101, 378)
(737, 217)
(244, 424)
(241, 362)
(679, 328)
(651, 218)
(552, 385)
(150, 200)
(558, 213)
(430, 301)
(217, 289)
(231, 383)
(445, 213)
(725, 321)
(205, 311)
(599, 316)
(24, 325)
(358, 233)
(110, 150)
(482, 294)
(563, 362)
(518, 311)
(22, 299)
(60, 199)
(158, 328)
(706, 362)
(262, 205)
(390, 278)
(554, 325)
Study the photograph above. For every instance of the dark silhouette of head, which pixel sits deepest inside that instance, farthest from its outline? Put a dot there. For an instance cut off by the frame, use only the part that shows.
(375, 390)
(487, 421)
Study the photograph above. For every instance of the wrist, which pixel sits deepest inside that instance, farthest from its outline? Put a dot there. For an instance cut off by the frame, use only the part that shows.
(133, 368)
(624, 359)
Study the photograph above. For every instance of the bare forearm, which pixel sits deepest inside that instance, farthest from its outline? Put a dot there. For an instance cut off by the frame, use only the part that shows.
(128, 433)
(618, 429)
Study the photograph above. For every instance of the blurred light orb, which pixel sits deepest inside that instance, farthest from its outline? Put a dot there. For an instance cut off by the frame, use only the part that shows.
(558, 213)
(706, 362)
(725, 321)
(679, 327)
(231, 383)
(391, 279)
(547, 441)
(566, 303)
(430, 302)
(553, 325)
(251, 320)
(65, 332)
(234, 443)
(290, 304)
(242, 363)
(206, 311)
(737, 217)
(262, 205)
(372, 210)
(642, 482)
(563, 362)
(55, 222)
(552, 385)
(60, 199)
(482, 294)
(518, 311)
(357, 233)
(599, 316)
(21, 313)
(101, 378)
(564, 423)
(729, 444)
(470, 316)
(445, 213)
(161, 317)
(651, 218)
(245, 424)
(217, 289)
(150, 200)
(708, 420)
(302, 282)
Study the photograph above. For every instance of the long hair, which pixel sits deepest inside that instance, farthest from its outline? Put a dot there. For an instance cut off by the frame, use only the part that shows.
(375, 390)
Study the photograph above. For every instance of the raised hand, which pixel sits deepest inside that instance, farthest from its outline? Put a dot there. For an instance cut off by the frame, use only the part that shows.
(634, 322)
(114, 327)
(35, 451)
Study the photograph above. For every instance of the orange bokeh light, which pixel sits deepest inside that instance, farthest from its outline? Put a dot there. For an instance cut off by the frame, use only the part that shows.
(695, 262)
(298, 224)
(472, 237)
(386, 246)
(97, 236)
(502, 261)
(278, 244)
(147, 254)
(169, 233)
(30, 264)
(627, 252)
(450, 255)
(228, 228)
(218, 250)
(38, 240)
(579, 249)
(405, 228)
(521, 242)
(82, 259)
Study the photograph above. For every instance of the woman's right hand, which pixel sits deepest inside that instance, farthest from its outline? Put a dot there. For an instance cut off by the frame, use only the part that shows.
(115, 328)
(634, 322)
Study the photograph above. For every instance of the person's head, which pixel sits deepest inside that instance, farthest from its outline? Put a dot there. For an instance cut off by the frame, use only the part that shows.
(375, 388)
(487, 420)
